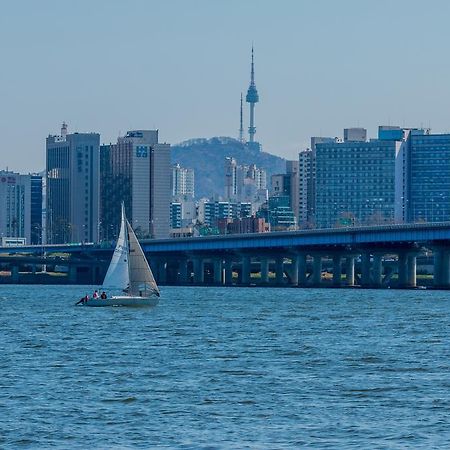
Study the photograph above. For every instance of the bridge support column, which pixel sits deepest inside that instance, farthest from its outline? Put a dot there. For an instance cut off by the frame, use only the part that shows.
(294, 269)
(245, 270)
(301, 258)
(412, 271)
(350, 271)
(441, 268)
(337, 270)
(15, 274)
(228, 272)
(279, 270)
(377, 270)
(182, 271)
(365, 270)
(162, 271)
(217, 271)
(72, 274)
(437, 267)
(199, 270)
(317, 270)
(445, 268)
(402, 269)
(264, 270)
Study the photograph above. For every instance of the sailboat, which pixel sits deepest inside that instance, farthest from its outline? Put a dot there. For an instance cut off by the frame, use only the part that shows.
(128, 275)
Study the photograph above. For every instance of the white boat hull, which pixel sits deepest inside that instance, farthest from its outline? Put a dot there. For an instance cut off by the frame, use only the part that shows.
(123, 301)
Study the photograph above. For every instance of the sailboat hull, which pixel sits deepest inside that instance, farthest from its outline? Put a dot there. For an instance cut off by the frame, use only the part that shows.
(123, 301)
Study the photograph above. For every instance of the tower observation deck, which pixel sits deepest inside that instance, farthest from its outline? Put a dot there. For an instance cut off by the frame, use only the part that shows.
(252, 98)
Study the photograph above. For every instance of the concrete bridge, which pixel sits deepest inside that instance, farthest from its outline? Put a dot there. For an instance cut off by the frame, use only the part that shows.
(379, 256)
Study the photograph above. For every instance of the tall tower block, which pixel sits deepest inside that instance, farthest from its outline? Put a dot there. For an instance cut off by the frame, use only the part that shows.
(252, 98)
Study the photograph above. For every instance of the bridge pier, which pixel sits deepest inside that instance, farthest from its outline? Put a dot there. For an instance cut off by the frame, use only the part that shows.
(228, 271)
(365, 270)
(15, 274)
(279, 270)
(183, 270)
(162, 271)
(199, 270)
(72, 274)
(337, 270)
(402, 269)
(441, 277)
(412, 271)
(350, 271)
(217, 263)
(301, 264)
(317, 270)
(377, 270)
(245, 270)
(264, 268)
(294, 269)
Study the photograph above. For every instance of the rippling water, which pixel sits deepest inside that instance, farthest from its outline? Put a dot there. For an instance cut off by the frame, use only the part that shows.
(226, 368)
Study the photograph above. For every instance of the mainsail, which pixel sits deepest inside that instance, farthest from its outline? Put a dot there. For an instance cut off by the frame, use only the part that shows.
(142, 281)
(117, 276)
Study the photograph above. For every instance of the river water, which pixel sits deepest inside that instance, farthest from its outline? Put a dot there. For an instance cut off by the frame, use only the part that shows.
(226, 368)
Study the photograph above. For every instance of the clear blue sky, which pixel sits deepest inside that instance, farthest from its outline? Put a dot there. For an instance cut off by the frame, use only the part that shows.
(180, 66)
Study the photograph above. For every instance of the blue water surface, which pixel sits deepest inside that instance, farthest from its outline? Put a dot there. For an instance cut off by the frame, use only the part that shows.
(226, 368)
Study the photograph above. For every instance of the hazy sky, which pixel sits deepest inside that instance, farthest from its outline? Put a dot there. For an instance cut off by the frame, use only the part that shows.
(180, 66)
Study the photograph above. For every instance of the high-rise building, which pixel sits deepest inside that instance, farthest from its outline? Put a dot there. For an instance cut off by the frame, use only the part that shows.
(15, 204)
(428, 179)
(307, 182)
(182, 181)
(252, 98)
(136, 170)
(244, 183)
(72, 168)
(36, 202)
(356, 181)
(306, 176)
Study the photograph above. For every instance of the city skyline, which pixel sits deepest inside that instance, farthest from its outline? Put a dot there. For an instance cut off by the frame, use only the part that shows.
(320, 67)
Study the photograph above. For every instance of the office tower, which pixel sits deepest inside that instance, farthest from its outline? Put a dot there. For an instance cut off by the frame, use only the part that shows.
(306, 176)
(72, 168)
(137, 171)
(287, 185)
(428, 192)
(36, 202)
(15, 205)
(307, 182)
(355, 181)
(252, 98)
(182, 181)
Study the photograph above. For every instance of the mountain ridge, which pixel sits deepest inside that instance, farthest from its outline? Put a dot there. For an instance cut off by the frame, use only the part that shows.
(207, 157)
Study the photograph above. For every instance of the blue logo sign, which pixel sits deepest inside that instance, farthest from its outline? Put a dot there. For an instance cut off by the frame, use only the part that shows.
(141, 151)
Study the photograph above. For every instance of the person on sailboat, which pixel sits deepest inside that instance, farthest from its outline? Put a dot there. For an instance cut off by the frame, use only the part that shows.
(95, 295)
(103, 295)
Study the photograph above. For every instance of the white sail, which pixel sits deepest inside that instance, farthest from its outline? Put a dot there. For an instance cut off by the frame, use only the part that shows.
(117, 276)
(142, 281)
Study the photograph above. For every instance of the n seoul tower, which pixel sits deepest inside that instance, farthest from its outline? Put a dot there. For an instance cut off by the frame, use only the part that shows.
(252, 98)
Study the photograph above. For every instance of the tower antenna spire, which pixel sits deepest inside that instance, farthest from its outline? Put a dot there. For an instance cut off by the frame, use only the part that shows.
(252, 98)
(241, 122)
